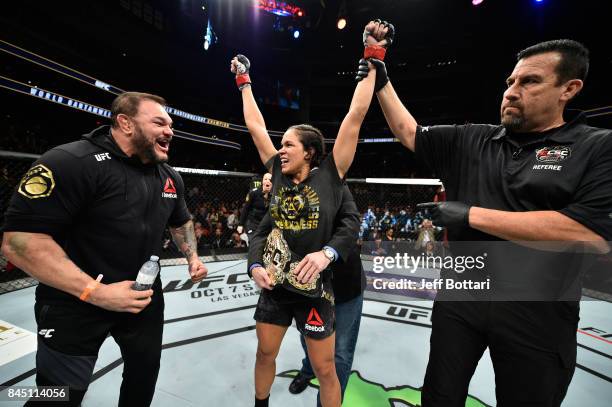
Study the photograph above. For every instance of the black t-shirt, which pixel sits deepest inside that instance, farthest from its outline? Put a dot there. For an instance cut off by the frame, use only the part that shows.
(255, 207)
(305, 212)
(567, 169)
(348, 276)
(107, 211)
(349, 279)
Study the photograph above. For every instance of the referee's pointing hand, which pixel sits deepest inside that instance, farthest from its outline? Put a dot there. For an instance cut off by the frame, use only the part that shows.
(448, 214)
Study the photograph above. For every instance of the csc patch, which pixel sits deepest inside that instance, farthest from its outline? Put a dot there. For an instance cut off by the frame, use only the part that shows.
(553, 154)
(38, 182)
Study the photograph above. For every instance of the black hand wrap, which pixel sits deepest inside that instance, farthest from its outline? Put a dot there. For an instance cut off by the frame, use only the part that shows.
(448, 214)
(381, 73)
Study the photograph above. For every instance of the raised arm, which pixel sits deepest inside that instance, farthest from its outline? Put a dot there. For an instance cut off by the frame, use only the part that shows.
(253, 118)
(346, 141)
(348, 135)
(400, 121)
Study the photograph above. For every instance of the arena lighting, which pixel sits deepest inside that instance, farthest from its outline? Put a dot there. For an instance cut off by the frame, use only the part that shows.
(476, 2)
(342, 13)
(280, 8)
(209, 36)
(296, 34)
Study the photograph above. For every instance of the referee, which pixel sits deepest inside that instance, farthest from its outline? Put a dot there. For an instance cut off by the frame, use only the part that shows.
(539, 176)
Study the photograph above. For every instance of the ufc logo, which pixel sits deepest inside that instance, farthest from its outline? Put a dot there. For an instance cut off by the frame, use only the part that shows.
(102, 156)
(47, 333)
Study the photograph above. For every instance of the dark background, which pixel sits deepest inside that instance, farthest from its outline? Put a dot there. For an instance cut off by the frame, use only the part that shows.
(448, 64)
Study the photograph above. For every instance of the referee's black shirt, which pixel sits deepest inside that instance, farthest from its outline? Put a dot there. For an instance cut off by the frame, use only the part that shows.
(567, 169)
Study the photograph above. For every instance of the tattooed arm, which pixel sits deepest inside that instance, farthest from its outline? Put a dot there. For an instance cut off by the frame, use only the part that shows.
(185, 240)
(41, 257)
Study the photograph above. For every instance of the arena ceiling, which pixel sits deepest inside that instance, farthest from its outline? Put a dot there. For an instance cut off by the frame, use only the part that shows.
(448, 63)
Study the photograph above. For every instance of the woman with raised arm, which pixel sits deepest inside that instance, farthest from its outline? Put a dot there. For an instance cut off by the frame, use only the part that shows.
(290, 263)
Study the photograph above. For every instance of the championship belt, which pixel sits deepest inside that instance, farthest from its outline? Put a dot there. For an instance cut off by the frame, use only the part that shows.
(279, 262)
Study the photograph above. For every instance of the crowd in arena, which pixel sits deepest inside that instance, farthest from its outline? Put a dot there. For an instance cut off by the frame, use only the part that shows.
(217, 220)
(399, 229)
(384, 229)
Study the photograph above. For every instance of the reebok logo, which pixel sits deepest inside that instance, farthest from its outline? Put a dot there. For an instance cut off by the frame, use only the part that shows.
(169, 189)
(169, 186)
(314, 322)
(47, 333)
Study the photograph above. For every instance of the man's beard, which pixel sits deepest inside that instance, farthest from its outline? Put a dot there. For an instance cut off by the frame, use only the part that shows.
(513, 123)
(145, 149)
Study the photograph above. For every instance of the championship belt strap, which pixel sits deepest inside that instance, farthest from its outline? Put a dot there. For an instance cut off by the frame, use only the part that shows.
(374, 51)
(276, 256)
(280, 263)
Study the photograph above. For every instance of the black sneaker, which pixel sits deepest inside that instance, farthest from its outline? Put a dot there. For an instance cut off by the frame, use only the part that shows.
(299, 383)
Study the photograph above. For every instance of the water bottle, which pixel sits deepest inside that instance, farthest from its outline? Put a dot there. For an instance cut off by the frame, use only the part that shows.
(147, 274)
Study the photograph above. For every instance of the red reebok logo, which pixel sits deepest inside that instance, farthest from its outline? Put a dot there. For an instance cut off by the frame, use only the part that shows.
(314, 318)
(169, 187)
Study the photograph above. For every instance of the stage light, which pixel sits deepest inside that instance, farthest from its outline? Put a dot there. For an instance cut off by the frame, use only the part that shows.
(209, 36)
(280, 8)
(342, 13)
(476, 2)
(296, 34)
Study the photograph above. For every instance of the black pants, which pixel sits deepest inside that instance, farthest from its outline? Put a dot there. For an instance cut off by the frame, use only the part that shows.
(532, 347)
(70, 336)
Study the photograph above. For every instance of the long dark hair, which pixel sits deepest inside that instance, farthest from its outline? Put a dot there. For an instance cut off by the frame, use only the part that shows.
(312, 140)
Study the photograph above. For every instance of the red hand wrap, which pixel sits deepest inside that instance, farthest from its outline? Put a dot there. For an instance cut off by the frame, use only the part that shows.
(242, 79)
(374, 51)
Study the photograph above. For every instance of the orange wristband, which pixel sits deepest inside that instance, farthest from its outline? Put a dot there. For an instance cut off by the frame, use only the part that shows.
(92, 285)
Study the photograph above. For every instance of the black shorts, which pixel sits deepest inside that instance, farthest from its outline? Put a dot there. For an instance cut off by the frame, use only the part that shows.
(70, 334)
(314, 317)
